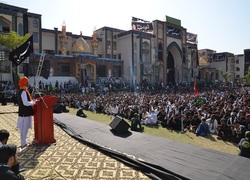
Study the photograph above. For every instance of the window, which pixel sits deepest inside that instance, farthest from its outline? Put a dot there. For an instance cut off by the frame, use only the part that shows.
(114, 45)
(108, 45)
(108, 56)
(114, 56)
(35, 24)
(160, 52)
(109, 34)
(117, 71)
(4, 27)
(145, 45)
(237, 69)
(2, 55)
(237, 61)
(20, 29)
(102, 71)
(119, 56)
(144, 58)
(135, 46)
(184, 55)
(65, 69)
(35, 37)
(135, 58)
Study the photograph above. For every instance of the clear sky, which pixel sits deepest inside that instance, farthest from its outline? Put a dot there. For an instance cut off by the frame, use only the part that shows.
(221, 25)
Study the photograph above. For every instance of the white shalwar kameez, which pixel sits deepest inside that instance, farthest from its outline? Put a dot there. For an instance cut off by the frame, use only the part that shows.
(25, 123)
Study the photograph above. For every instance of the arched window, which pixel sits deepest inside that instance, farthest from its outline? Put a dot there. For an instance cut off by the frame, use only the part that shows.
(35, 24)
(20, 29)
(160, 52)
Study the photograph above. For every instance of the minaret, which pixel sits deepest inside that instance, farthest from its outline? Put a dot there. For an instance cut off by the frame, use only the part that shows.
(63, 39)
(63, 28)
(94, 42)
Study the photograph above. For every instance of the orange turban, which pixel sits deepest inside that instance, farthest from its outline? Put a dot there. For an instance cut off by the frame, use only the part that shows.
(23, 81)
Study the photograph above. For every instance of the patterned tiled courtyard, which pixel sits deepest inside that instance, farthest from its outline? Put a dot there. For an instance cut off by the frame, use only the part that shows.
(65, 159)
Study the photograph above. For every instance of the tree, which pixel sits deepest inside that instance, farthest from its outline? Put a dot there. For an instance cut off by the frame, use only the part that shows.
(247, 77)
(225, 75)
(12, 40)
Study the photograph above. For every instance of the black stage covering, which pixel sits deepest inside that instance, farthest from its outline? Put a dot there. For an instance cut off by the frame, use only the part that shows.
(158, 158)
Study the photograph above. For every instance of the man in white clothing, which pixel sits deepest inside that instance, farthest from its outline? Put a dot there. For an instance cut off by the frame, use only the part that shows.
(25, 110)
(213, 124)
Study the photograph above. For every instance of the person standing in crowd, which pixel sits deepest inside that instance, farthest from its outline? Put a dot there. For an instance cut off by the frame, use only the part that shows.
(244, 145)
(25, 110)
(9, 159)
(4, 136)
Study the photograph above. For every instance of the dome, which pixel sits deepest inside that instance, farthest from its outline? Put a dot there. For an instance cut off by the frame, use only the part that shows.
(80, 46)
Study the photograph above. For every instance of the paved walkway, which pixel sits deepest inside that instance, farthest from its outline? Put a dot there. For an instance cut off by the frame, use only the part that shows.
(66, 159)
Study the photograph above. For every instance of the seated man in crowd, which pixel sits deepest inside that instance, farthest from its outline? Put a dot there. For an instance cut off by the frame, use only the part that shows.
(162, 117)
(80, 113)
(247, 122)
(203, 128)
(175, 123)
(8, 159)
(135, 122)
(194, 123)
(4, 136)
(151, 118)
(212, 124)
(224, 131)
(238, 132)
(244, 145)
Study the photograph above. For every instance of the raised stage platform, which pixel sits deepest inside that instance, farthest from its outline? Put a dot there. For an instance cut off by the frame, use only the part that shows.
(157, 157)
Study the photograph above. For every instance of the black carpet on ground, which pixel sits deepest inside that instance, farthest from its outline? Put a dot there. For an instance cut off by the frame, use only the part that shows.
(158, 158)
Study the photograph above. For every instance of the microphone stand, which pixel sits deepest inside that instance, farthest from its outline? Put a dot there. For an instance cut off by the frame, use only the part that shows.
(38, 92)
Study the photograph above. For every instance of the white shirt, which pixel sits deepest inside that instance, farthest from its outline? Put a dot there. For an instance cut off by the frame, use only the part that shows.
(25, 100)
(212, 126)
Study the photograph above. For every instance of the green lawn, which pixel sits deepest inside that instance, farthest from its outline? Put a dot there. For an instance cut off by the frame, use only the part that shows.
(210, 142)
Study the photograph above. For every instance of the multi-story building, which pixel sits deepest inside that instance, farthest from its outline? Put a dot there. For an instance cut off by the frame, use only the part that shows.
(164, 55)
(239, 68)
(246, 60)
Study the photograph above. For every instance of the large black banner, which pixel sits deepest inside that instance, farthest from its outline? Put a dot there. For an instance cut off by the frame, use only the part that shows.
(191, 38)
(219, 57)
(19, 55)
(141, 25)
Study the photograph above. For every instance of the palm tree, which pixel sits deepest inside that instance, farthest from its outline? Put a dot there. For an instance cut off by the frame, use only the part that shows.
(225, 76)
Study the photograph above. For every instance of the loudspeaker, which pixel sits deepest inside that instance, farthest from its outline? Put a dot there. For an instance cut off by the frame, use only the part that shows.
(119, 125)
(57, 108)
(45, 69)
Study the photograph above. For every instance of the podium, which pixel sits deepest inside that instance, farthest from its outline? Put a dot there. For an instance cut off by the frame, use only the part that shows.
(43, 120)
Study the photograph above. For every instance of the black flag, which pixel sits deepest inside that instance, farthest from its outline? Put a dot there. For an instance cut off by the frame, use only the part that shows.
(19, 55)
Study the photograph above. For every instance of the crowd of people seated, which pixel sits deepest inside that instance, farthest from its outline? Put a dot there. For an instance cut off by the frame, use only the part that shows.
(221, 112)
(218, 111)
(224, 112)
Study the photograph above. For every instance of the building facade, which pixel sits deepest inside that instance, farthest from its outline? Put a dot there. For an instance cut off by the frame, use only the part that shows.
(169, 54)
